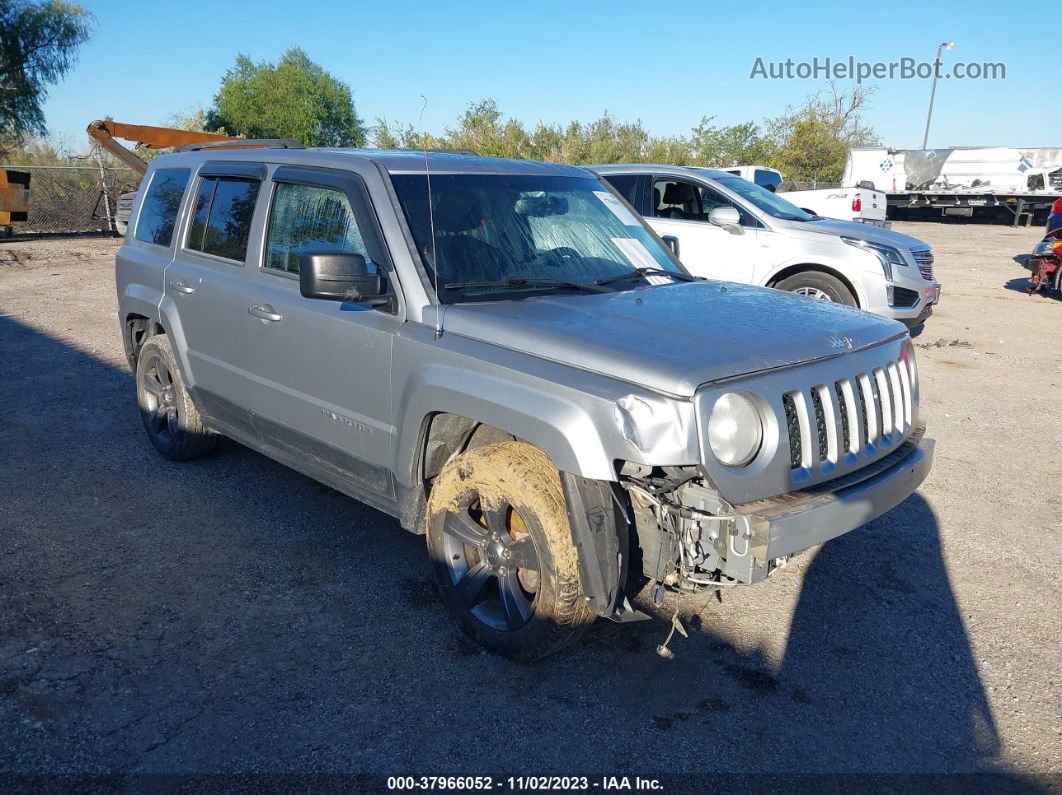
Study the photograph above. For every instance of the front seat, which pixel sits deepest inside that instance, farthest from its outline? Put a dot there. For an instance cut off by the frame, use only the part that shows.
(463, 257)
(679, 193)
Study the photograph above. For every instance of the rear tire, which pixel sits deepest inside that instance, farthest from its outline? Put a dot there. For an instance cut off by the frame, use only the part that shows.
(491, 510)
(820, 286)
(173, 423)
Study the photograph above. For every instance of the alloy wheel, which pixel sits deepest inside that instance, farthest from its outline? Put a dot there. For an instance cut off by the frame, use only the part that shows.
(492, 562)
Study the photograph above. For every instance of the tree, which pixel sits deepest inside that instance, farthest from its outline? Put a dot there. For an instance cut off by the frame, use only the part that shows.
(741, 144)
(812, 142)
(38, 46)
(293, 98)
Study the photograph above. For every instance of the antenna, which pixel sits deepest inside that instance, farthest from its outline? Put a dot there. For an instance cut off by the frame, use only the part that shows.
(431, 225)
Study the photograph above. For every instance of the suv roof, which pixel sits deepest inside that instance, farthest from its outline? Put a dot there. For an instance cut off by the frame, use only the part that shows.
(393, 161)
(658, 168)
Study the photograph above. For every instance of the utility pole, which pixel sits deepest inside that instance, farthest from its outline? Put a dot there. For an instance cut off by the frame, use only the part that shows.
(947, 45)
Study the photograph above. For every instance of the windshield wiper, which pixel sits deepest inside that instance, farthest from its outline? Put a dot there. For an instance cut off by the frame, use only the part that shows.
(643, 272)
(516, 282)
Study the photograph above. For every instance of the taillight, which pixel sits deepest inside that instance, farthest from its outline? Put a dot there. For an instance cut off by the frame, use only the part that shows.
(857, 203)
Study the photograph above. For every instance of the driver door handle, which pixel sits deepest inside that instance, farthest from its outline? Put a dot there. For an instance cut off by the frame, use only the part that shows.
(265, 312)
(181, 287)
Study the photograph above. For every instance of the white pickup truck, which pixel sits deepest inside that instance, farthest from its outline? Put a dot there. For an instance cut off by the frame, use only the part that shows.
(846, 204)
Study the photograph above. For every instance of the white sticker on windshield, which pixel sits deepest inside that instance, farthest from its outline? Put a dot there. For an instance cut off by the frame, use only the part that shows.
(640, 257)
(626, 216)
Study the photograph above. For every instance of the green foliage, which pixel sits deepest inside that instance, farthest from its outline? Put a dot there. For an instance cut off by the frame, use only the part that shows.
(739, 144)
(293, 98)
(38, 46)
(807, 143)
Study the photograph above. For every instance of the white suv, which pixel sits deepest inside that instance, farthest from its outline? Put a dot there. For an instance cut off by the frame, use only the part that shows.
(724, 227)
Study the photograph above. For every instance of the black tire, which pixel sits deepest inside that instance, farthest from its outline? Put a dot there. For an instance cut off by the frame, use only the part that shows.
(173, 423)
(486, 507)
(821, 286)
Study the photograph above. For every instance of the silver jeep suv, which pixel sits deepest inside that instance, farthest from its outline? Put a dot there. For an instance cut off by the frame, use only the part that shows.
(505, 357)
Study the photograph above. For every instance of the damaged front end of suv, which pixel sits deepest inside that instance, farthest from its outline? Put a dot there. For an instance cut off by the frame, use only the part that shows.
(789, 458)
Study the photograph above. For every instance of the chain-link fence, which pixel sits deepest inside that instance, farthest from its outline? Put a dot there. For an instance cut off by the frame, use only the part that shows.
(74, 198)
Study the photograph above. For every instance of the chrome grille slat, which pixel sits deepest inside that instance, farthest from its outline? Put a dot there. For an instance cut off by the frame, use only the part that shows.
(897, 398)
(866, 408)
(884, 404)
(908, 399)
(792, 422)
(846, 408)
(821, 429)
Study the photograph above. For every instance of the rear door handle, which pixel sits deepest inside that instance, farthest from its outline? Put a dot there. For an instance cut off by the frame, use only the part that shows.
(265, 312)
(181, 287)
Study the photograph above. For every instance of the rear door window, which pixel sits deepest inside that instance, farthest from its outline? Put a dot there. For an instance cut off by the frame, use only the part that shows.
(158, 213)
(627, 185)
(221, 222)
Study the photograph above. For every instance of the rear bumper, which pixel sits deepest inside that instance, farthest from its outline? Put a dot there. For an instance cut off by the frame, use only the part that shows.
(794, 522)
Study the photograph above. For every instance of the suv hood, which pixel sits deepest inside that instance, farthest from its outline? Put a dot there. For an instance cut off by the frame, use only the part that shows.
(873, 234)
(673, 338)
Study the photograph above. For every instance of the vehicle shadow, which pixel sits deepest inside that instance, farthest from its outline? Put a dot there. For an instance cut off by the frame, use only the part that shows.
(1021, 285)
(232, 615)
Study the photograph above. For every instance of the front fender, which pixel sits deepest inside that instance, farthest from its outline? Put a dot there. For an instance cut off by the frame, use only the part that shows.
(584, 422)
(561, 428)
(863, 280)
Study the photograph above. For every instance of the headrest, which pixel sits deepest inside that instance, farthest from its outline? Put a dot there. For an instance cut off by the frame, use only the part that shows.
(678, 193)
(656, 197)
(458, 212)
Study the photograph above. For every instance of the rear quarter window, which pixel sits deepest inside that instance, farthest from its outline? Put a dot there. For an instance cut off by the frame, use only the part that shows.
(158, 213)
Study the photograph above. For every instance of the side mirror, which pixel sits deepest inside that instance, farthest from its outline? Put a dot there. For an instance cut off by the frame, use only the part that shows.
(672, 243)
(728, 218)
(339, 276)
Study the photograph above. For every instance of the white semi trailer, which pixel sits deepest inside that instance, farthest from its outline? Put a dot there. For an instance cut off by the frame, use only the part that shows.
(1018, 184)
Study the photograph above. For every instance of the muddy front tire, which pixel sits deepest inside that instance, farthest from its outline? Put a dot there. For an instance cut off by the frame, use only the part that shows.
(502, 554)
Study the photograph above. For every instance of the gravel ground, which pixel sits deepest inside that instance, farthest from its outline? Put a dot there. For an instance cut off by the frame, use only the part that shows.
(232, 615)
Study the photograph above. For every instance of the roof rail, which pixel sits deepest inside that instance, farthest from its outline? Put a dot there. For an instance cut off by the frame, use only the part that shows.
(244, 143)
(438, 150)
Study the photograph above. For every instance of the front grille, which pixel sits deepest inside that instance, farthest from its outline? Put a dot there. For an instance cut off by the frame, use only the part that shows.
(924, 260)
(857, 416)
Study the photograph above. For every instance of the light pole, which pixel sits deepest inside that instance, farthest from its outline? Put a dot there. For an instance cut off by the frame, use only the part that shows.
(946, 45)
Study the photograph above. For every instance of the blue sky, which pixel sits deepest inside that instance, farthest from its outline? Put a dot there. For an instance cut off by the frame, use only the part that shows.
(667, 64)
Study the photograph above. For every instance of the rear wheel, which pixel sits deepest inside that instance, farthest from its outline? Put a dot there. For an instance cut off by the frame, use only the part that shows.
(172, 421)
(502, 554)
(819, 286)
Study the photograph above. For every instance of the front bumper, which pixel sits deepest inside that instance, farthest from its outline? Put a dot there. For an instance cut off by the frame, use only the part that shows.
(791, 523)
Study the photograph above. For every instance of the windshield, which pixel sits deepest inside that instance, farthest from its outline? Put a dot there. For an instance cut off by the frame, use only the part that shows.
(770, 203)
(525, 230)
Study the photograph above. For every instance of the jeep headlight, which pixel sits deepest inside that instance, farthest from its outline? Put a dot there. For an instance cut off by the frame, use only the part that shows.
(888, 256)
(735, 429)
